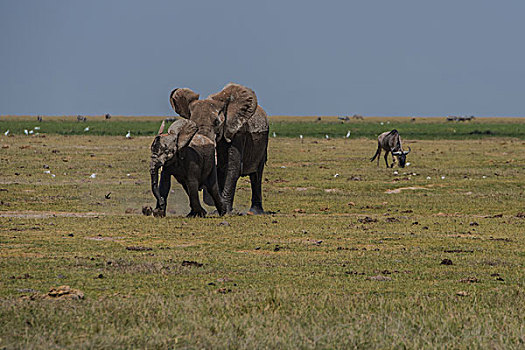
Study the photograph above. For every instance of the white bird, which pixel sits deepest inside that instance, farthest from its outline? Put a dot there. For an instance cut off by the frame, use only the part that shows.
(31, 132)
(336, 175)
(6, 133)
(86, 129)
(408, 163)
(26, 132)
(428, 178)
(301, 137)
(53, 175)
(395, 172)
(327, 137)
(442, 178)
(47, 171)
(37, 128)
(93, 176)
(274, 134)
(484, 177)
(128, 135)
(348, 134)
(382, 123)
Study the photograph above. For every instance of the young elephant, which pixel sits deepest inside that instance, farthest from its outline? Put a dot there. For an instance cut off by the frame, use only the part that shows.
(190, 158)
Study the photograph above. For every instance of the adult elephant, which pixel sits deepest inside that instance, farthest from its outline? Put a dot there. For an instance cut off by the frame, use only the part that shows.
(240, 129)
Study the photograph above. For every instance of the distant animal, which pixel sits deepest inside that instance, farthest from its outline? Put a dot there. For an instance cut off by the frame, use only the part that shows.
(39, 118)
(344, 118)
(81, 118)
(390, 141)
(107, 116)
(128, 135)
(358, 117)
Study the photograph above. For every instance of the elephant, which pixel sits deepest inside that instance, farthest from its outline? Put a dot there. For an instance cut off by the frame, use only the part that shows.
(190, 158)
(239, 128)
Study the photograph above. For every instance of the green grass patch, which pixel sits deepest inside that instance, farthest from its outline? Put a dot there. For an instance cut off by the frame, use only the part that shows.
(421, 129)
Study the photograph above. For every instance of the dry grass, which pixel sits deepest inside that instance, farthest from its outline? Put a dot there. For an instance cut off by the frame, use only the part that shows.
(342, 263)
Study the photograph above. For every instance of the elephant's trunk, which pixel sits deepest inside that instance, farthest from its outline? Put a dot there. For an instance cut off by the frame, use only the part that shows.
(154, 171)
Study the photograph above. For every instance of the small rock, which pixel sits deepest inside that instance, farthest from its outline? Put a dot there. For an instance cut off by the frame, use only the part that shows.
(446, 262)
(191, 263)
(147, 210)
(71, 235)
(224, 223)
(462, 293)
(138, 248)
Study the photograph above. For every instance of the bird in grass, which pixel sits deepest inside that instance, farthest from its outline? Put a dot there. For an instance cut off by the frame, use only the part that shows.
(327, 137)
(128, 135)
(26, 132)
(274, 135)
(86, 129)
(348, 134)
(6, 133)
(301, 137)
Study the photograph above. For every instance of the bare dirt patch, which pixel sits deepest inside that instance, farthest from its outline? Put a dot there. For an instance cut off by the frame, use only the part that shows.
(47, 214)
(398, 190)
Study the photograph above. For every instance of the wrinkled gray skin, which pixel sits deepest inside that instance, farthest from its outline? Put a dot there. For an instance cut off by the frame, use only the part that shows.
(190, 158)
(390, 141)
(240, 129)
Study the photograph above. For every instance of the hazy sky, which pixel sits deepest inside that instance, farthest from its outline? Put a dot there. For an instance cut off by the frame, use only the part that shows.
(325, 57)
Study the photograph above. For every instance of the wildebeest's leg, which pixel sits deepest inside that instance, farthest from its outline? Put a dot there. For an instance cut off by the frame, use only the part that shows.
(256, 184)
(164, 189)
(386, 159)
(193, 192)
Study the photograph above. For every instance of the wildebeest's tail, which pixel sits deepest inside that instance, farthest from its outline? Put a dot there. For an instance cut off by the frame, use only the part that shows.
(377, 152)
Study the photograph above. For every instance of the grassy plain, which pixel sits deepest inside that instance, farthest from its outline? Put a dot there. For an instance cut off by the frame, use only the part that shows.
(351, 258)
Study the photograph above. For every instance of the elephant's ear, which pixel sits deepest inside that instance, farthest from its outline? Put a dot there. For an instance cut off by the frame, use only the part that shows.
(180, 100)
(239, 104)
(185, 130)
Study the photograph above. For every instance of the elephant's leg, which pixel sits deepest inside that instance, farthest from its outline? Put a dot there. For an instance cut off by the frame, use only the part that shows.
(233, 172)
(256, 184)
(212, 189)
(195, 204)
(164, 189)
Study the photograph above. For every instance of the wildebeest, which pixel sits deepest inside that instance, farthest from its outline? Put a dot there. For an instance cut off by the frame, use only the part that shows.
(107, 116)
(39, 118)
(81, 118)
(391, 142)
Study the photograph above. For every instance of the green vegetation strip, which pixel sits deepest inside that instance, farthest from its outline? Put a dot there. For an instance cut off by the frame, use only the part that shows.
(369, 128)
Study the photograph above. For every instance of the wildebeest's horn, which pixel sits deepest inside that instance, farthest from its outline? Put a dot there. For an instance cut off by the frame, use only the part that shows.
(407, 152)
(397, 153)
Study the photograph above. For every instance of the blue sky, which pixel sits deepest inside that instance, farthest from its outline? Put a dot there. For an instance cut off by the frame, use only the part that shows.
(301, 57)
